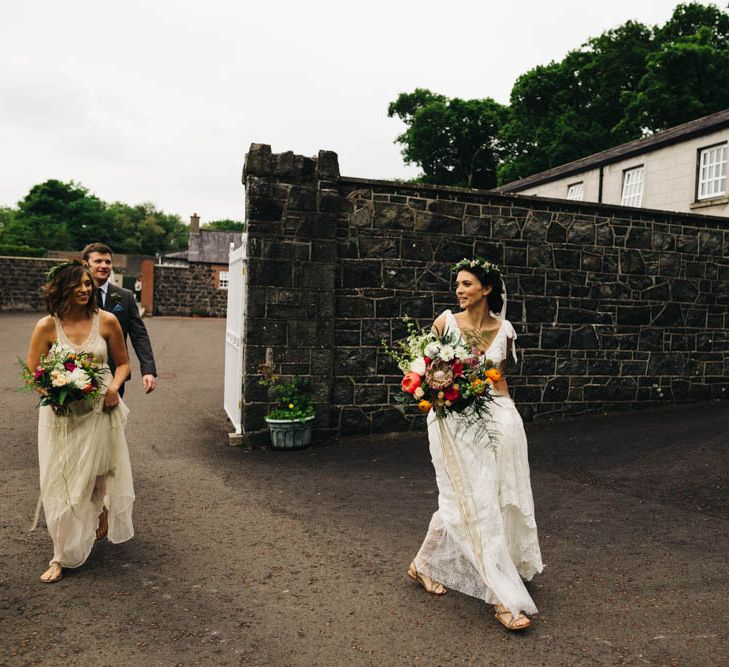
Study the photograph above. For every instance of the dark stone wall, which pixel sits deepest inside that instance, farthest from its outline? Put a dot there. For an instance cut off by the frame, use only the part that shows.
(614, 307)
(21, 279)
(185, 291)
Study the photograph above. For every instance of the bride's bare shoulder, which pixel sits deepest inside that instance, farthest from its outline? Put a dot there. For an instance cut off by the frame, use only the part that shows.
(45, 324)
(439, 325)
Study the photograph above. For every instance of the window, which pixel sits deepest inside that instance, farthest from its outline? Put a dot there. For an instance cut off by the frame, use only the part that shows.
(632, 187)
(576, 191)
(223, 279)
(712, 172)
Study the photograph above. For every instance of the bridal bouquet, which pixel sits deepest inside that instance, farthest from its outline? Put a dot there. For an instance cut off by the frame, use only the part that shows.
(442, 373)
(64, 376)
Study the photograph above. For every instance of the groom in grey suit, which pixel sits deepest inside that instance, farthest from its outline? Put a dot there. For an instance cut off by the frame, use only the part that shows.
(122, 304)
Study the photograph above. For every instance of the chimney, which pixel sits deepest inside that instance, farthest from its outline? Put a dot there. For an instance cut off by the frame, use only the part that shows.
(194, 223)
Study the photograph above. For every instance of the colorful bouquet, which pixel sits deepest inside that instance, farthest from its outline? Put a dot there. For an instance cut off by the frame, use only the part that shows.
(443, 373)
(64, 376)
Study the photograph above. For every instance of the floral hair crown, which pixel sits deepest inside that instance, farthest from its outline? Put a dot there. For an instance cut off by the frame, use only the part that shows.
(55, 269)
(476, 263)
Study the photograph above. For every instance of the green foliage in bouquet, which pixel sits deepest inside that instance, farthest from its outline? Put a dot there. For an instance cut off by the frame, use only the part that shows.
(291, 399)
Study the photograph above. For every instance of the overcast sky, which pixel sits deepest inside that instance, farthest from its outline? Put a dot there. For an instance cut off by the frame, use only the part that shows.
(159, 100)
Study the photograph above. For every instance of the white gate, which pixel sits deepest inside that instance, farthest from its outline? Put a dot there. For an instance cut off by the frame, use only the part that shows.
(234, 343)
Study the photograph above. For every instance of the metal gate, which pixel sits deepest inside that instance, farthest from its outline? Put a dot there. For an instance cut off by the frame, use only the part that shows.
(234, 338)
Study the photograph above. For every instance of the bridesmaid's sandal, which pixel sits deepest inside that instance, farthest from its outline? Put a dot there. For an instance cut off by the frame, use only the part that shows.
(511, 622)
(426, 582)
(52, 574)
(103, 528)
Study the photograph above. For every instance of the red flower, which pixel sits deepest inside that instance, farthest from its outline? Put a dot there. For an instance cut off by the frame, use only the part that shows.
(38, 374)
(88, 388)
(427, 360)
(70, 366)
(457, 368)
(451, 393)
(411, 382)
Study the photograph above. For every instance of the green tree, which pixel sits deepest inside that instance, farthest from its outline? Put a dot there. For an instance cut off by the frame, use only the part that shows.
(624, 84)
(65, 216)
(147, 230)
(453, 141)
(687, 74)
(61, 215)
(566, 110)
(225, 225)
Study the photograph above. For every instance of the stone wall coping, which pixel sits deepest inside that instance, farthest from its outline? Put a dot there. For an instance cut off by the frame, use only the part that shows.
(32, 259)
(530, 201)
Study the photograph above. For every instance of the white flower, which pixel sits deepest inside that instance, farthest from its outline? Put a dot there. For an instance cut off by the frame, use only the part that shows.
(462, 352)
(447, 353)
(418, 366)
(419, 393)
(78, 378)
(59, 378)
(432, 349)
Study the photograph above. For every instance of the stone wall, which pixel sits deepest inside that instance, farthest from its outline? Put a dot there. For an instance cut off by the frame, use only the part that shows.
(185, 291)
(614, 307)
(20, 283)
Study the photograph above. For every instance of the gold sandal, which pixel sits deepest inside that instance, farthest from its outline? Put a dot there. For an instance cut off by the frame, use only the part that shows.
(53, 580)
(512, 623)
(103, 527)
(430, 586)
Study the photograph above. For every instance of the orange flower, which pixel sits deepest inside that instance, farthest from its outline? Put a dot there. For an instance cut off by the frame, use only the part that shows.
(494, 374)
(411, 382)
(424, 406)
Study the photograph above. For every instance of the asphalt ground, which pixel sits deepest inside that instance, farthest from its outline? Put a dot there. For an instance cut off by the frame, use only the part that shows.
(299, 558)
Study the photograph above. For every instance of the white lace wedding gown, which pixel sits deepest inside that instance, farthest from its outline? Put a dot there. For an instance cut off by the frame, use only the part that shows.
(483, 539)
(84, 465)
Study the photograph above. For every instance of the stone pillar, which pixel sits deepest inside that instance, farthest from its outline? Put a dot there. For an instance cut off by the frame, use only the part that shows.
(291, 223)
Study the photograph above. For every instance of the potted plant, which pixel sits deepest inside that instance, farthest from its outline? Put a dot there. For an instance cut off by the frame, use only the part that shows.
(290, 420)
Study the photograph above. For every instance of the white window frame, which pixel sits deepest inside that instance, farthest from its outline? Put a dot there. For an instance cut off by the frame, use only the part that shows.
(223, 279)
(576, 191)
(633, 181)
(711, 168)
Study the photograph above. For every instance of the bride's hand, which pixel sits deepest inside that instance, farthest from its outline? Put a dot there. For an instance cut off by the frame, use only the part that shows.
(111, 398)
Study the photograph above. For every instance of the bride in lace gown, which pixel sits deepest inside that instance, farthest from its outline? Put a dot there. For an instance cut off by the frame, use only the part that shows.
(482, 541)
(85, 475)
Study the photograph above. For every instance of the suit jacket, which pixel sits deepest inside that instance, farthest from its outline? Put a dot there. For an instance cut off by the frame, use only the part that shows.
(121, 303)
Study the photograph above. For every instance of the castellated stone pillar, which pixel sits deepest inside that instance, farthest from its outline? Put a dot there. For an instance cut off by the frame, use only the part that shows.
(291, 219)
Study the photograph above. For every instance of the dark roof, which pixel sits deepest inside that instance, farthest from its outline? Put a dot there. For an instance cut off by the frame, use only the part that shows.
(211, 246)
(658, 140)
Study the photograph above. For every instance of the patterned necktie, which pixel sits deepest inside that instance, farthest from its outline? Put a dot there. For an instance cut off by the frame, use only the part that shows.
(100, 298)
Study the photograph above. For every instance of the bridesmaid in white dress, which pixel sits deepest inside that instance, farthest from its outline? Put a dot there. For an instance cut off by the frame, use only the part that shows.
(482, 541)
(86, 479)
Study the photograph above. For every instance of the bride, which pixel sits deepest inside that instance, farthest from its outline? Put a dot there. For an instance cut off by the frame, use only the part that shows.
(86, 479)
(482, 541)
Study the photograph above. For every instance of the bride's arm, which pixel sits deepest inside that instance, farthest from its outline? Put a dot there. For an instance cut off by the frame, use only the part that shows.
(502, 386)
(40, 342)
(112, 332)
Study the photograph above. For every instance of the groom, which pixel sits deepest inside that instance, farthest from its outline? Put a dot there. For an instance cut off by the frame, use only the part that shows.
(121, 303)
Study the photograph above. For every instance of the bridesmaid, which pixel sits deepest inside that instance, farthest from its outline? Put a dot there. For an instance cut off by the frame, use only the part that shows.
(86, 479)
(482, 541)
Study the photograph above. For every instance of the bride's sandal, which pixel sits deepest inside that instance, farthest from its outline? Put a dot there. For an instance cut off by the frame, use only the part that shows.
(426, 582)
(511, 622)
(103, 528)
(52, 574)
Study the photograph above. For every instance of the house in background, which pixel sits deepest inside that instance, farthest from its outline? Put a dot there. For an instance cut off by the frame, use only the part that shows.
(195, 281)
(681, 169)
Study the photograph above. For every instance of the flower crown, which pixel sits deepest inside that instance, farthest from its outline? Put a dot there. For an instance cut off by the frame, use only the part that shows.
(476, 263)
(55, 269)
